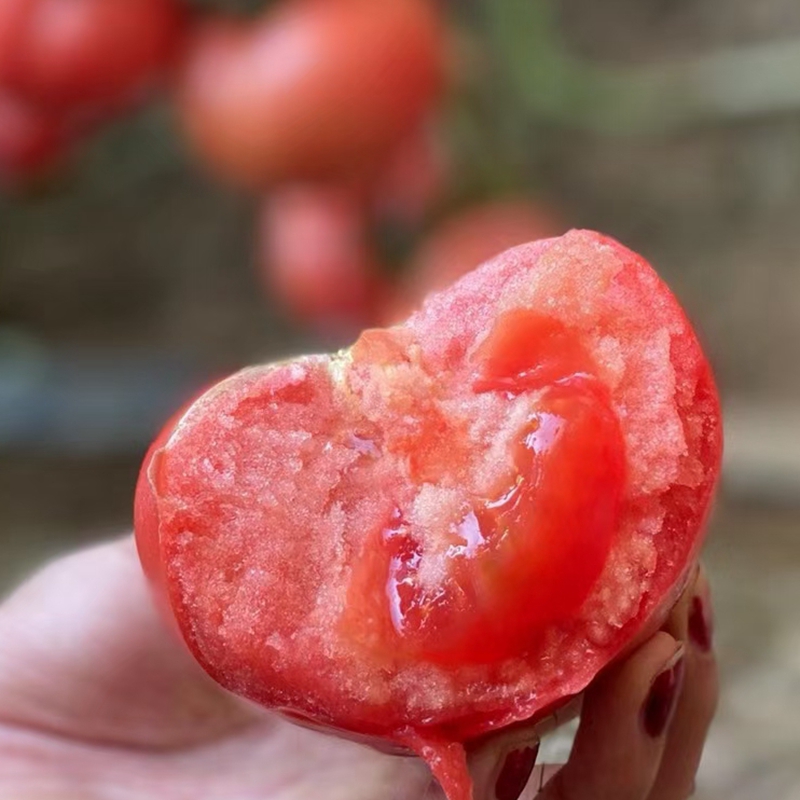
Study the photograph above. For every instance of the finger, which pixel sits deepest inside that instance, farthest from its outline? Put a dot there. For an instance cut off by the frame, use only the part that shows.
(502, 766)
(677, 624)
(622, 735)
(698, 700)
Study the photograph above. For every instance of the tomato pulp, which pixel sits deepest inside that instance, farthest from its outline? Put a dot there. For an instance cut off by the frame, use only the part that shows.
(525, 552)
(455, 524)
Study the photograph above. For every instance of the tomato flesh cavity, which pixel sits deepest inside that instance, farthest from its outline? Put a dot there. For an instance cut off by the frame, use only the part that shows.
(454, 525)
(526, 556)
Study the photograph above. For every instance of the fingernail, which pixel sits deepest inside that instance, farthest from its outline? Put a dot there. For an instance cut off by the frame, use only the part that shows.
(701, 626)
(662, 699)
(516, 772)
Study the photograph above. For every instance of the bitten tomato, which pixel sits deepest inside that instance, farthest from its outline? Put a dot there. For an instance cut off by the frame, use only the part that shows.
(314, 89)
(30, 139)
(316, 258)
(87, 54)
(454, 525)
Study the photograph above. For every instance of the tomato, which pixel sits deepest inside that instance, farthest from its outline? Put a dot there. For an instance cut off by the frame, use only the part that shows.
(30, 139)
(313, 89)
(145, 516)
(13, 14)
(454, 525)
(315, 255)
(413, 179)
(89, 54)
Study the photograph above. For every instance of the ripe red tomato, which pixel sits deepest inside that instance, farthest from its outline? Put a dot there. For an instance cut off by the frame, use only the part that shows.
(314, 89)
(315, 256)
(88, 54)
(30, 139)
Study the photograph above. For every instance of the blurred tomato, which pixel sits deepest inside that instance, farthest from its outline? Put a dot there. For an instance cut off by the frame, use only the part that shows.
(466, 240)
(315, 89)
(30, 140)
(315, 256)
(413, 178)
(13, 14)
(89, 54)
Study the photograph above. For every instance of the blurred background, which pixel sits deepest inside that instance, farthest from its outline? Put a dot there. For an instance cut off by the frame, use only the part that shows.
(138, 262)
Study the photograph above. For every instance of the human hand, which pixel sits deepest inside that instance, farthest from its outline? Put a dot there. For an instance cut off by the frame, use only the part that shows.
(97, 700)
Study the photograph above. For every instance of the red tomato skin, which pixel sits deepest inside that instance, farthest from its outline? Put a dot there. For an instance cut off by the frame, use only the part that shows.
(315, 89)
(88, 54)
(13, 14)
(145, 516)
(145, 511)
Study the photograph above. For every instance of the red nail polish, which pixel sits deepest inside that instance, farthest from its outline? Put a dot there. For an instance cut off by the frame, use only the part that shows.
(701, 627)
(515, 773)
(662, 699)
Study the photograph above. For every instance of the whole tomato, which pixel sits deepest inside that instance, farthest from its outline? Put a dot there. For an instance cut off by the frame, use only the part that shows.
(87, 54)
(314, 89)
(315, 256)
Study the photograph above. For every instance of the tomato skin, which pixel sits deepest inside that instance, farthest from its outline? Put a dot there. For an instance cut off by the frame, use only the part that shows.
(13, 14)
(87, 54)
(315, 255)
(145, 507)
(145, 514)
(314, 89)
(30, 139)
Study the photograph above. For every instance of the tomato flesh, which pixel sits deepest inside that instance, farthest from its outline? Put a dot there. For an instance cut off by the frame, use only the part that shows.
(525, 557)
